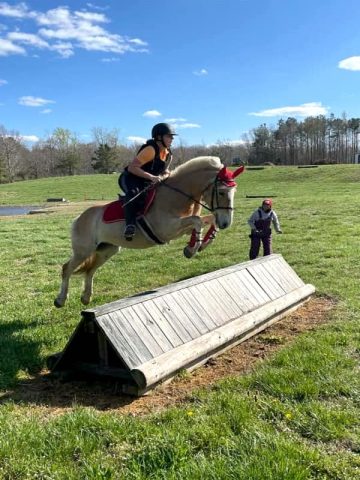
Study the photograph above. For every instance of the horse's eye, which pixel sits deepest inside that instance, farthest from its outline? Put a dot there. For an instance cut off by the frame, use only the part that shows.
(221, 194)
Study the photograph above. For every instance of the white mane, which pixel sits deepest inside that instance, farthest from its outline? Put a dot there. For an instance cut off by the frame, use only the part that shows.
(196, 164)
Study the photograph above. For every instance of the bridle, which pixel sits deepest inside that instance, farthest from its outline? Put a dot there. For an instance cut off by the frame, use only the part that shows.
(214, 195)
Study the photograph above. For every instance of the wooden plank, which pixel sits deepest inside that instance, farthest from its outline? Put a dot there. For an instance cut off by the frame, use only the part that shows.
(166, 327)
(222, 310)
(143, 332)
(203, 319)
(244, 300)
(232, 291)
(207, 302)
(291, 274)
(270, 280)
(153, 327)
(259, 276)
(257, 290)
(181, 315)
(281, 276)
(171, 318)
(225, 299)
(250, 288)
(117, 340)
(130, 334)
(200, 305)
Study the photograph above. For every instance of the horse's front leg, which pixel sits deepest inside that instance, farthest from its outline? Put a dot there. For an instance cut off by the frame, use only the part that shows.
(210, 235)
(195, 240)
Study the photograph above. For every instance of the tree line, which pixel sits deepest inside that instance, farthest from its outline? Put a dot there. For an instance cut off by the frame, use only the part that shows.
(315, 140)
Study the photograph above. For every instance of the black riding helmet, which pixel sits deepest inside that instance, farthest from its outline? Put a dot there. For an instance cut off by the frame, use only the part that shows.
(161, 129)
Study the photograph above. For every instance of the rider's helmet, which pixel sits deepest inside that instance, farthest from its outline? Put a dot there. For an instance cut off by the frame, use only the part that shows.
(161, 129)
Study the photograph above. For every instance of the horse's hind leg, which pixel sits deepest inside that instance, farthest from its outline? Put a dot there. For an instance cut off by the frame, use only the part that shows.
(67, 269)
(103, 253)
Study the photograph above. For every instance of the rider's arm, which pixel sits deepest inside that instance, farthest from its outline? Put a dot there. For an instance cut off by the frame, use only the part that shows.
(146, 155)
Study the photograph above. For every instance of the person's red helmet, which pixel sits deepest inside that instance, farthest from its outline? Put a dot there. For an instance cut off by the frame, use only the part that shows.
(267, 202)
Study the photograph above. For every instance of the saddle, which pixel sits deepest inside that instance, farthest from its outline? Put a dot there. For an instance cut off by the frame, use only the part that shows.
(114, 211)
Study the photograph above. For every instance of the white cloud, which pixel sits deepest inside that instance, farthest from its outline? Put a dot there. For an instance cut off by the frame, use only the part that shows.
(3, 82)
(110, 59)
(16, 11)
(134, 139)
(65, 49)
(29, 101)
(175, 120)
(351, 63)
(181, 126)
(61, 27)
(30, 138)
(27, 38)
(201, 72)
(9, 48)
(46, 110)
(152, 114)
(311, 109)
(96, 7)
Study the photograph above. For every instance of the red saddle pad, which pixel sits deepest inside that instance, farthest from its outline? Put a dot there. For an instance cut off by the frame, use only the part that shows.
(114, 211)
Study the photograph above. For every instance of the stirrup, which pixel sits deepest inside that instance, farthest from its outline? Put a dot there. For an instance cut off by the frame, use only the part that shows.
(129, 232)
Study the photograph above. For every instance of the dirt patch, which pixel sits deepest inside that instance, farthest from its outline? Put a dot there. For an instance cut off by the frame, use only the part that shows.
(55, 397)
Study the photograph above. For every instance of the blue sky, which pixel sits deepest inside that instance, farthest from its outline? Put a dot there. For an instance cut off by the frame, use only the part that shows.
(214, 68)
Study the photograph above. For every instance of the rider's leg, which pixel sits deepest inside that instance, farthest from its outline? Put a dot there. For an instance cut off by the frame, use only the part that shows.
(131, 208)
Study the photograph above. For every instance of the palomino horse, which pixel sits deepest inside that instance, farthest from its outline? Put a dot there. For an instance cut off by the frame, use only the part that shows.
(174, 212)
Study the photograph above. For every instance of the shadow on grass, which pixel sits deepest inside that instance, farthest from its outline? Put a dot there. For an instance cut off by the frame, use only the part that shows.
(20, 357)
(46, 390)
(18, 353)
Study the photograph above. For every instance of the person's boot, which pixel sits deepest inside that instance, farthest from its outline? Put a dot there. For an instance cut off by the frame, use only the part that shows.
(129, 232)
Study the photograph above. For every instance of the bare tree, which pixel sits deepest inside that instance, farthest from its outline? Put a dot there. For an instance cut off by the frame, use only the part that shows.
(10, 149)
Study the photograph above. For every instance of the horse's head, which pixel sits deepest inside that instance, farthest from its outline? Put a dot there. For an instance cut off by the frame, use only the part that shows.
(220, 197)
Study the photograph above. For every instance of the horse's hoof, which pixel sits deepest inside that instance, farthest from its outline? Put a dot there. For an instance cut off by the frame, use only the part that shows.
(85, 301)
(188, 253)
(57, 303)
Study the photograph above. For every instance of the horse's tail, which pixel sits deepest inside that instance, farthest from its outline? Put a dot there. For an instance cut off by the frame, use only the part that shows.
(86, 265)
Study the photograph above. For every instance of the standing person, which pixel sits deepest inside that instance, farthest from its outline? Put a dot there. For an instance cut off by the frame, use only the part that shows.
(150, 166)
(260, 223)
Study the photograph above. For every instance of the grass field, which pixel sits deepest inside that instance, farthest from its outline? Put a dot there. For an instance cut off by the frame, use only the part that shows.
(297, 416)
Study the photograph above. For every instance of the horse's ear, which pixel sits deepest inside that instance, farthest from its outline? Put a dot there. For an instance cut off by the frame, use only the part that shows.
(238, 171)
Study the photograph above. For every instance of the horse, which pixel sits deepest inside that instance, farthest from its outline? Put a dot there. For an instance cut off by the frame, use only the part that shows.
(202, 182)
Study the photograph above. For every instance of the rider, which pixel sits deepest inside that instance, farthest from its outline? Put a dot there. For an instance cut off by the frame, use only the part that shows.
(150, 166)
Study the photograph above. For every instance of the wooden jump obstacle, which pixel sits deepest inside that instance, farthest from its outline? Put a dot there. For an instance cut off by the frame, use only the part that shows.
(148, 338)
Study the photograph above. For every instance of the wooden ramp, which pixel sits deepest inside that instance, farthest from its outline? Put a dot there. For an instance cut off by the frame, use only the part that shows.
(148, 338)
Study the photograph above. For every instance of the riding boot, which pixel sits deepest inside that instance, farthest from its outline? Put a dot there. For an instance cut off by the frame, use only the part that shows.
(130, 218)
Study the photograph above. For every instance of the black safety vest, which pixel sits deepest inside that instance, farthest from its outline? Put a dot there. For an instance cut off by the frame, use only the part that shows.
(156, 166)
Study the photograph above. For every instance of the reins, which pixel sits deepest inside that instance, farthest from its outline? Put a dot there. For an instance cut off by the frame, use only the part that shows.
(190, 197)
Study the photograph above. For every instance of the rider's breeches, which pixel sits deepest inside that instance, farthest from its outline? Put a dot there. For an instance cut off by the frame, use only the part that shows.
(132, 185)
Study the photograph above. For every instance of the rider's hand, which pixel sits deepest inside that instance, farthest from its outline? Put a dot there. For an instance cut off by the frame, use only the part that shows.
(155, 179)
(165, 175)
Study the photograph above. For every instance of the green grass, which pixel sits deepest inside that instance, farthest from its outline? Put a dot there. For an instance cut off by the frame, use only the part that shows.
(295, 417)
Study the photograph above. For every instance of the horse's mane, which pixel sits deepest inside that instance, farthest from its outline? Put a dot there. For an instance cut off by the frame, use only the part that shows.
(196, 164)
